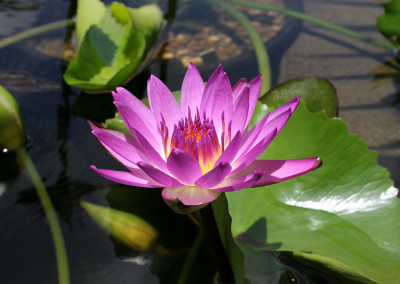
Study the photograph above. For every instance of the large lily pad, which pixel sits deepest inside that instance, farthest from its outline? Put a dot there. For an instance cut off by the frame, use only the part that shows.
(389, 22)
(114, 46)
(341, 219)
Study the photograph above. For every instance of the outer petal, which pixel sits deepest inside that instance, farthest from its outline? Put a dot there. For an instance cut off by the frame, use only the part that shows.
(162, 103)
(246, 159)
(159, 176)
(137, 116)
(238, 88)
(239, 182)
(154, 155)
(183, 166)
(254, 87)
(192, 90)
(292, 105)
(274, 171)
(121, 147)
(127, 178)
(215, 176)
(240, 110)
(190, 195)
(217, 99)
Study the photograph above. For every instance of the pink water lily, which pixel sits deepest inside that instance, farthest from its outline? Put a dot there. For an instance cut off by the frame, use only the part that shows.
(202, 147)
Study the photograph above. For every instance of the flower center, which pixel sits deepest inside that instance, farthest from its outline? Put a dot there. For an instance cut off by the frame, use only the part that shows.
(198, 137)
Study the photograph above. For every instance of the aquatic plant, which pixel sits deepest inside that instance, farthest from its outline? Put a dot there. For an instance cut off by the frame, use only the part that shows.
(201, 148)
(114, 43)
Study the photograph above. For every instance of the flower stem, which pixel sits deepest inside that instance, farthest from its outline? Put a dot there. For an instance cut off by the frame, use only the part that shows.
(35, 31)
(318, 22)
(220, 258)
(258, 44)
(61, 254)
(170, 16)
(191, 257)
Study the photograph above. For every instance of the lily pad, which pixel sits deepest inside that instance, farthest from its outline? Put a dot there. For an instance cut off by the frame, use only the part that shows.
(114, 46)
(342, 218)
(389, 22)
(318, 93)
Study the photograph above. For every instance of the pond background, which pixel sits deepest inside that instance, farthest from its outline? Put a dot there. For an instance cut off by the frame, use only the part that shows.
(62, 146)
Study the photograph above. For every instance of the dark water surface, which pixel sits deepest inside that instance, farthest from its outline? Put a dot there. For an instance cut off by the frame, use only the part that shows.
(63, 148)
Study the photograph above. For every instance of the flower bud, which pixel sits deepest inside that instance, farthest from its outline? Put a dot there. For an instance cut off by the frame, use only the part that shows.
(12, 134)
(125, 227)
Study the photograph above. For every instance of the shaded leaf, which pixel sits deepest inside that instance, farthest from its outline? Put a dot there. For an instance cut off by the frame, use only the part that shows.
(114, 48)
(318, 93)
(389, 22)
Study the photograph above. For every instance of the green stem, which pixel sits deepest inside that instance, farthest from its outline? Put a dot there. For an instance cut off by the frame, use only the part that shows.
(35, 31)
(318, 22)
(61, 254)
(258, 44)
(191, 257)
(170, 16)
(217, 249)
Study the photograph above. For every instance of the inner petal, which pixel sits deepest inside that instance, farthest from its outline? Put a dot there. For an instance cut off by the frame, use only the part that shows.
(197, 136)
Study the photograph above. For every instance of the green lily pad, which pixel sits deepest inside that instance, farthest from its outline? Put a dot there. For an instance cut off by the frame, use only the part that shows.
(318, 93)
(389, 22)
(114, 47)
(341, 219)
(12, 134)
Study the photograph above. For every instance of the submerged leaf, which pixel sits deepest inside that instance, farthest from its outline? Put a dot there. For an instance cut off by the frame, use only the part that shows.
(127, 228)
(344, 214)
(12, 134)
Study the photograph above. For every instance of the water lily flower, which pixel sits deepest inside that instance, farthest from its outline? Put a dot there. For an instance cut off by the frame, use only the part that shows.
(202, 147)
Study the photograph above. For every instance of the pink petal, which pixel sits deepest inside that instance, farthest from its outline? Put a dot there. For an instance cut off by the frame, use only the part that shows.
(121, 147)
(237, 89)
(247, 158)
(217, 99)
(290, 105)
(254, 87)
(261, 130)
(240, 110)
(192, 90)
(159, 176)
(215, 176)
(127, 178)
(231, 150)
(137, 116)
(183, 166)
(274, 171)
(162, 103)
(190, 195)
(147, 148)
(238, 182)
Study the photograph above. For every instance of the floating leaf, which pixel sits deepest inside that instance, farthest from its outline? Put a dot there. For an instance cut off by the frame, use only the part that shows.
(114, 46)
(318, 93)
(12, 133)
(344, 214)
(389, 22)
(85, 20)
(127, 228)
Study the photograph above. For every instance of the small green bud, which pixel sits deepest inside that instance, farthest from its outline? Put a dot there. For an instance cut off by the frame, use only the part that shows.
(125, 227)
(12, 134)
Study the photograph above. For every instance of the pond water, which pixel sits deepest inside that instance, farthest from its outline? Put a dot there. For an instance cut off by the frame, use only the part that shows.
(63, 148)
